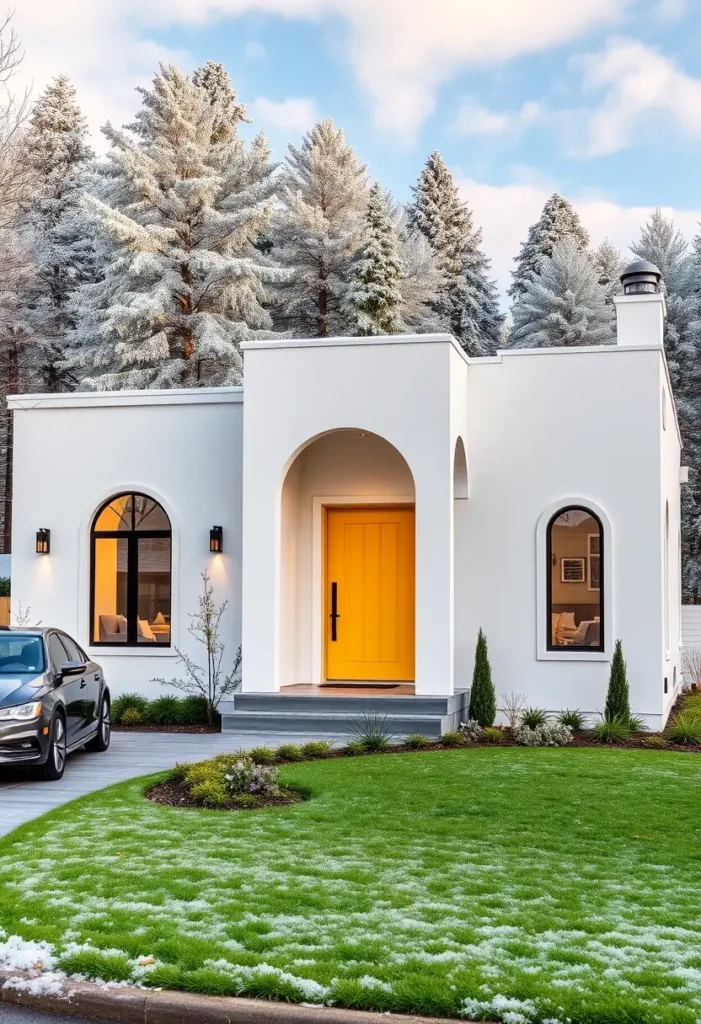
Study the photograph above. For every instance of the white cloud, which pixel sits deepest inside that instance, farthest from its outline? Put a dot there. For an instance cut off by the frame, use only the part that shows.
(294, 114)
(254, 50)
(639, 81)
(475, 119)
(401, 50)
(506, 212)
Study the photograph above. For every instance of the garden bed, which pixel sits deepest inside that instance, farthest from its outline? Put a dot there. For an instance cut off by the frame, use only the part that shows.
(145, 727)
(177, 794)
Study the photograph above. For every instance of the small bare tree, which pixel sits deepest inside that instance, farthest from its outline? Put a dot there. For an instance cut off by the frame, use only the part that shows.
(512, 704)
(691, 665)
(209, 682)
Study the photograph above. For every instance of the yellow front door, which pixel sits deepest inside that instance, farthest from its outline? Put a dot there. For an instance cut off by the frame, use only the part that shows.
(369, 593)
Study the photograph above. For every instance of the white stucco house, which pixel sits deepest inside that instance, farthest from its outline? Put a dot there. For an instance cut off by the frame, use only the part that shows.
(365, 505)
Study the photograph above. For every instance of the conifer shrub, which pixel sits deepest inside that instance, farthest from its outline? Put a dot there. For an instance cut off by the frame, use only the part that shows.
(290, 752)
(316, 749)
(417, 740)
(483, 698)
(452, 739)
(617, 707)
(263, 755)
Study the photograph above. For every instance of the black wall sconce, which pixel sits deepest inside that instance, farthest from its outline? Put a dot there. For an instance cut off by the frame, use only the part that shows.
(43, 542)
(216, 540)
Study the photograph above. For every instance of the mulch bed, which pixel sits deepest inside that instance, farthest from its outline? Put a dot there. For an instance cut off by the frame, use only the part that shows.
(177, 794)
(142, 727)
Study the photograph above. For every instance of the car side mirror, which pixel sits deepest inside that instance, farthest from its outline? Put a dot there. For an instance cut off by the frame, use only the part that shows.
(72, 668)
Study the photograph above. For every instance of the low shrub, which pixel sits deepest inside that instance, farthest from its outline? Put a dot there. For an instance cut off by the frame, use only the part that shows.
(194, 710)
(210, 793)
(263, 755)
(691, 704)
(637, 723)
(316, 749)
(354, 748)
(572, 718)
(417, 740)
(655, 742)
(131, 716)
(290, 752)
(166, 710)
(492, 735)
(179, 773)
(547, 734)
(452, 739)
(126, 701)
(533, 717)
(614, 730)
(372, 731)
(685, 730)
(247, 776)
(471, 731)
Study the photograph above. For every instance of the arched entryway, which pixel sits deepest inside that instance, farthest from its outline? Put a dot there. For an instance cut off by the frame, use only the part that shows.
(347, 602)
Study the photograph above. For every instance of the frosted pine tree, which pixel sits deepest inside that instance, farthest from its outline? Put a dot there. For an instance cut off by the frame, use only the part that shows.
(421, 278)
(59, 154)
(373, 299)
(664, 246)
(467, 302)
(180, 205)
(318, 231)
(228, 113)
(557, 221)
(564, 304)
(610, 265)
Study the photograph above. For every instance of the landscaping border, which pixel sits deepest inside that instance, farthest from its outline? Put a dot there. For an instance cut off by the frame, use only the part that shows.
(162, 1006)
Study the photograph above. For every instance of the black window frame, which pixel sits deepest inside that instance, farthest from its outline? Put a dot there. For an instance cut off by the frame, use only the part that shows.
(577, 648)
(132, 537)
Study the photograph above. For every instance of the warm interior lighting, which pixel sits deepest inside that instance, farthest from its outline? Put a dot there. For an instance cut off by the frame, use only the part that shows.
(43, 544)
(216, 540)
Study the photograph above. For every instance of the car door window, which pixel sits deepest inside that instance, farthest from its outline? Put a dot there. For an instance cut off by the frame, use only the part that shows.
(72, 648)
(58, 653)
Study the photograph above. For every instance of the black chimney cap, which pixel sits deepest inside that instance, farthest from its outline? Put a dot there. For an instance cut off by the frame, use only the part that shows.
(641, 277)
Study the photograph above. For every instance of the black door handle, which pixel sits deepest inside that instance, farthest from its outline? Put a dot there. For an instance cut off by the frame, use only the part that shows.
(334, 610)
(97, 677)
(83, 684)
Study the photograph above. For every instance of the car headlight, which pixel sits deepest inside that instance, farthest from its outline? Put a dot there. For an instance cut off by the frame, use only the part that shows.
(21, 713)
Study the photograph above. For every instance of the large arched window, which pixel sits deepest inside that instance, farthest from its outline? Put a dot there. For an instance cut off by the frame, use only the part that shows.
(575, 566)
(130, 573)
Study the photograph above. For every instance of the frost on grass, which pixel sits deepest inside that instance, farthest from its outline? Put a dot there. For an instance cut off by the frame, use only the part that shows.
(508, 909)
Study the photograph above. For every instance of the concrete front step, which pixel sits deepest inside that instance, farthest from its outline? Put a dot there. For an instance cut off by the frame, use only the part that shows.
(326, 717)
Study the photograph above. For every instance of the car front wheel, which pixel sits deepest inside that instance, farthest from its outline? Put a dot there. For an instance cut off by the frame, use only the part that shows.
(101, 742)
(56, 761)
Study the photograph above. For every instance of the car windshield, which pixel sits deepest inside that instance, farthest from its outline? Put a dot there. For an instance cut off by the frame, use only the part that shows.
(21, 652)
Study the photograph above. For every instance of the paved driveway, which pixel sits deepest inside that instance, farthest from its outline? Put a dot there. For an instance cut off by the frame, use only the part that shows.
(23, 797)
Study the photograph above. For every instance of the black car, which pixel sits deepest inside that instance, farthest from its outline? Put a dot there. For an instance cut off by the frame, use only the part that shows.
(53, 699)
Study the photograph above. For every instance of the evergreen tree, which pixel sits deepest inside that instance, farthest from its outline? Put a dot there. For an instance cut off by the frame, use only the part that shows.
(467, 302)
(557, 221)
(228, 113)
(59, 154)
(373, 299)
(610, 265)
(663, 245)
(421, 278)
(618, 696)
(318, 231)
(483, 698)
(180, 204)
(564, 304)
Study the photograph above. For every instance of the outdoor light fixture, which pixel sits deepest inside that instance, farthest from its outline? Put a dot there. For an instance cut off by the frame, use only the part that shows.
(43, 544)
(216, 539)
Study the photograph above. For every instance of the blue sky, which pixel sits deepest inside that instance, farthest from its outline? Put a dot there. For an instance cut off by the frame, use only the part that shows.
(597, 99)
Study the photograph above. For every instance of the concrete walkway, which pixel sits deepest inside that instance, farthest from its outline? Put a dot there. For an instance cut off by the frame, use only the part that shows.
(23, 796)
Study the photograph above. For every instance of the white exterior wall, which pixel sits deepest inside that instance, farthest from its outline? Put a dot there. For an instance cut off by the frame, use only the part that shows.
(670, 496)
(72, 452)
(549, 428)
(399, 389)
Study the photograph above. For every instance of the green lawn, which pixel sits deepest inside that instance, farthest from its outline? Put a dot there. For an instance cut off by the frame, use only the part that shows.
(514, 884)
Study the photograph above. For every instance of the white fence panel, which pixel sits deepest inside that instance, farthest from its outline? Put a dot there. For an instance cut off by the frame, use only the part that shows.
(691, 625)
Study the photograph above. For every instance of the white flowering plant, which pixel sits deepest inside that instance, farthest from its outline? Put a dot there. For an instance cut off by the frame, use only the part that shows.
(243, 776)
(547, 734)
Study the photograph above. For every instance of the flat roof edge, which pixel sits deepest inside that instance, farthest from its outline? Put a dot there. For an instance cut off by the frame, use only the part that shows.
(107, 399)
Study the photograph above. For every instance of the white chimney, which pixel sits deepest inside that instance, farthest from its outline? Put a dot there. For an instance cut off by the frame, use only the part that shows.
(641, 310)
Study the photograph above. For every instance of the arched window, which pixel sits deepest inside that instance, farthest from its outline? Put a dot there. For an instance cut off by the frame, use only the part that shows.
(130, 573)
(575, 565)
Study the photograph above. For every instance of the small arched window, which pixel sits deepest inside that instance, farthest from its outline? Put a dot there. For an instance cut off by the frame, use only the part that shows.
(130, 573)
(575, 566)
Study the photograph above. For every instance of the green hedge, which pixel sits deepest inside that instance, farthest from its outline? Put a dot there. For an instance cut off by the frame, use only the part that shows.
(135, 709)
(4, 586)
